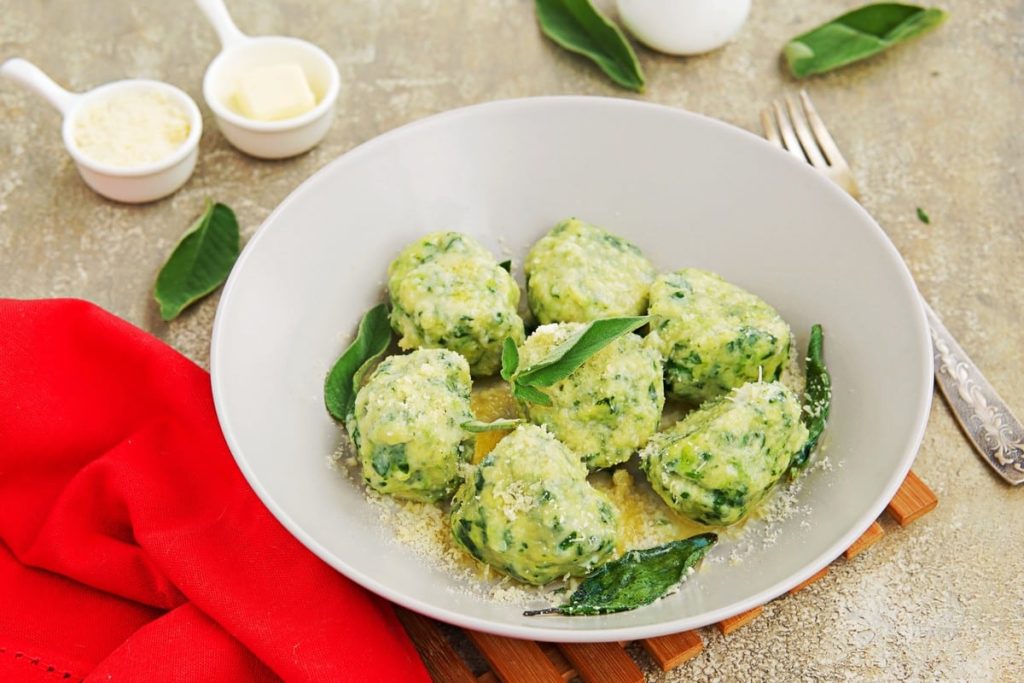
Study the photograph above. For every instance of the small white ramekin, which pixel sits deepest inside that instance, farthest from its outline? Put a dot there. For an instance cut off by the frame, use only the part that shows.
(129, 184)
(239, 53)
(683, 27)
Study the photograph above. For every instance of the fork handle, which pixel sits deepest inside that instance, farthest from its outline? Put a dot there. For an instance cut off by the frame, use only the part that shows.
(986, 419)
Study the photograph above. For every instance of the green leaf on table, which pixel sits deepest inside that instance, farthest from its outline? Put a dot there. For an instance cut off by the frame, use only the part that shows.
(857, 35)
(579, 27)
(565, 358)
(503, 424)
(201, 261)
(817, 398)
(636, 579)
(923, 217)
(345, 378)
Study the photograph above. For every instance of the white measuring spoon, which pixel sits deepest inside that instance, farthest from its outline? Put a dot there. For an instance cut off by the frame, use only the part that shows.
(130, 184)
(241, 53)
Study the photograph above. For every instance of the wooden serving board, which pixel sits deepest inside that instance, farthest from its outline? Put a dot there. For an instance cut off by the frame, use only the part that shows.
(525, 661)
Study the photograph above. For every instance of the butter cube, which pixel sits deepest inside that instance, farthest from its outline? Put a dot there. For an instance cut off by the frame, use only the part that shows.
(274, 92)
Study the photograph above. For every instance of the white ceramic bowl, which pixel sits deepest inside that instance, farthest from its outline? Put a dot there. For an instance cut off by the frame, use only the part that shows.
(690, 191)
(241, 53)
(132, 185)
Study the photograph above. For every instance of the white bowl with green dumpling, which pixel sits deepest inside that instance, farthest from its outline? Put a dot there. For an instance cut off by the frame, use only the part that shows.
(528, 511)
(609, 407)
(407, 424)
(718, 462)
(688, 192)
(579, 272)
(713, 335)
(447, 291)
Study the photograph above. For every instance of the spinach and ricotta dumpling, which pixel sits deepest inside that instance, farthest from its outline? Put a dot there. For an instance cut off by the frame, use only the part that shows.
(528, 510)
(713, 335)
(721, 459)
(448, 292)
(608, 407)
(408, 424)
(579, 272)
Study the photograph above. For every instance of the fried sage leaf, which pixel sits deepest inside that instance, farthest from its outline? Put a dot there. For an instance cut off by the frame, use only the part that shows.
(817, 398)
(201, 261)
(345, 378)
(636, 579)
(579, 27)
(565, 358)
(509, 359)
(503, 424)
(857, 35)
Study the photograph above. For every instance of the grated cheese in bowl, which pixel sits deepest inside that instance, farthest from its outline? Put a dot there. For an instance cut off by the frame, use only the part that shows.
(423, 528)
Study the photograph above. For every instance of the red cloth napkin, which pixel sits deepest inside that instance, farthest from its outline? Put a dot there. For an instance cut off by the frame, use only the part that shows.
(131, 548)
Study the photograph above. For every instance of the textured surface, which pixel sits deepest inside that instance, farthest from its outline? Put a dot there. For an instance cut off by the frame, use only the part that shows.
(934, 124)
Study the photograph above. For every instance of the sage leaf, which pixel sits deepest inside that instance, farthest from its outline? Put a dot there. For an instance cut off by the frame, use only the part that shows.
(509, 359)
(817, 398)
(345, 378)
(923, 217)
(579, 27)
(565, 358)
(201, 261)
(857, 35)
(507, 265)
(636, 579)
(530, 394)
(503, 424)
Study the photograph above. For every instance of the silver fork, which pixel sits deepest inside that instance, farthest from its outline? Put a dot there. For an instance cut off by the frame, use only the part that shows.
(986, 419)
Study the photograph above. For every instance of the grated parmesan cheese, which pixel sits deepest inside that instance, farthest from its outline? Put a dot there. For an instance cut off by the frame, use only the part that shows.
(130, 128)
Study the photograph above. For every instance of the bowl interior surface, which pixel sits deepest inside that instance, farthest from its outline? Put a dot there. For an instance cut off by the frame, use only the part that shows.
(225, 71)
(690, 191)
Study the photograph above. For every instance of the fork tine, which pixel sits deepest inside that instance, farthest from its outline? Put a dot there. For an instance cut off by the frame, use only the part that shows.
(789, 140)
(803, 133)
(771, 131)
(821, 134)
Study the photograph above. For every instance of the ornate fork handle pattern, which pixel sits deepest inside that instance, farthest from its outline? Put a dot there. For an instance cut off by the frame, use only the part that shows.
(985, 418)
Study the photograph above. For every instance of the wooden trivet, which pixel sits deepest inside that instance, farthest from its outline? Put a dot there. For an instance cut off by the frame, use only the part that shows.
(525, 661)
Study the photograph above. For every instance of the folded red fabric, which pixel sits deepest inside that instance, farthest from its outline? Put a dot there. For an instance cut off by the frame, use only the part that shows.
(132, 547)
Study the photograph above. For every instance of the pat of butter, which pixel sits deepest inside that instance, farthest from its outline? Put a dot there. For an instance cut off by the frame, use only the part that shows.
(274, 92)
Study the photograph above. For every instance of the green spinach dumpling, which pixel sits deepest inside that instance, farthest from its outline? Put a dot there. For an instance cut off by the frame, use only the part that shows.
(721, 459)
(609, 406)
(713, 335)
(529, 511)
(579, 272)
(408, 424)
(448, 292)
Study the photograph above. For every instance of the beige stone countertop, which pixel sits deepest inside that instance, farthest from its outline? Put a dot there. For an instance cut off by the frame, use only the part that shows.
(935, 123)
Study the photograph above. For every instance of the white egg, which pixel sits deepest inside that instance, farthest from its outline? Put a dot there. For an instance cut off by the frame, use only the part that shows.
(683, 27)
